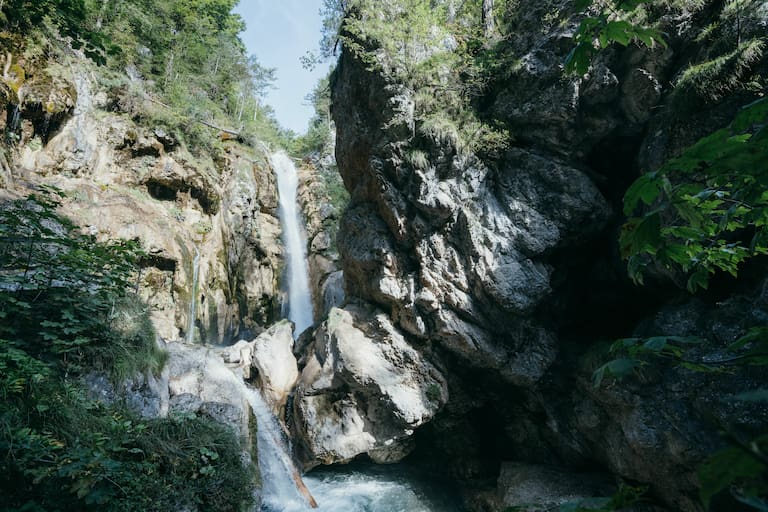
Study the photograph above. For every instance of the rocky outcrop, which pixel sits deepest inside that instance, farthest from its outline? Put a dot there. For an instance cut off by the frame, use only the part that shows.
(505, 265)
(268, 362)
(132, 181)
(199, 382)
(463, 259)
(322, 220)
(363, 390)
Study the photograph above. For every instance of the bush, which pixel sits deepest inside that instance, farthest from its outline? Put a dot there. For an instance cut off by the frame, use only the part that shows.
(65, 309)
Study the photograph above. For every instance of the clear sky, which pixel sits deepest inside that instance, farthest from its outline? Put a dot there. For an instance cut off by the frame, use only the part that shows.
(278, 33)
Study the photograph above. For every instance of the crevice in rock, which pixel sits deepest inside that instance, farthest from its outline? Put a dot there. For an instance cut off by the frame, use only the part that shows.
(159, 262)
(161, 191)
(45, 124)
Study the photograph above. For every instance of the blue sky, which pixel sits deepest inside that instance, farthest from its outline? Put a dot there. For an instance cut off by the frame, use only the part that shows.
(278, 33)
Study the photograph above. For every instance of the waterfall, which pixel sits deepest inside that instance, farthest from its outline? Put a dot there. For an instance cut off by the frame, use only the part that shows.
(193, 297)
(298, 308)
(359, 490)
(83, 149)
(13, 126)
(279, 490)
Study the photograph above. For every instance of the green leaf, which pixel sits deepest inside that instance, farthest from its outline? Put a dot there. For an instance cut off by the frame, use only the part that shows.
(618, 368)
(646, 189)
(619, 31)
(725, 468)
(580, 5)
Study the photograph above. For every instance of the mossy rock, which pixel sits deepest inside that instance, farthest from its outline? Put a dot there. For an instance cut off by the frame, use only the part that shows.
(50, 93)
(16, 78)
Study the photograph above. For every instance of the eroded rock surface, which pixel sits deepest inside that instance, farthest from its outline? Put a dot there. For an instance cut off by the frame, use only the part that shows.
(130, 181)
(268, 362)
(363, 390)
(506, 265)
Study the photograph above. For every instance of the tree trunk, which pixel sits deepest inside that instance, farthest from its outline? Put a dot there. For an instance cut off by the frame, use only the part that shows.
(451, 11)
(488, 24)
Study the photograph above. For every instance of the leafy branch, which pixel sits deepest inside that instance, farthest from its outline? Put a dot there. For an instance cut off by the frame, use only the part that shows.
(706, 210)
(610, 25)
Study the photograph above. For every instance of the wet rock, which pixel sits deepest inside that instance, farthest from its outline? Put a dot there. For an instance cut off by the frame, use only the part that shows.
(268, 360)
(199, 382)
(333, 292)
(539, 488)
(363, 389)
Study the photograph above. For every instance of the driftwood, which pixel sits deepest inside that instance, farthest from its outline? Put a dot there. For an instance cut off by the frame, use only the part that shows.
(295, 474)
(302, 488)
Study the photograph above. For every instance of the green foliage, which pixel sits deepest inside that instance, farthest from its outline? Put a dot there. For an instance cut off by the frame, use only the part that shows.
(443, 58)
(705, 210)
(60, 287)
(190, 72)
(66, 310)
(67, 16)
(634, 353)
(60, 451)
(318, 140)
(715, 78)
(611, 25)
(741, 468)
(730, 47)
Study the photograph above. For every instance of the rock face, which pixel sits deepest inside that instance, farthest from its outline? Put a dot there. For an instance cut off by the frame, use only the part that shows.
(322, 255)
(131, 181)
(363, 389)
(506, 267)
(269, 362)
(199, 382)
(547, 487)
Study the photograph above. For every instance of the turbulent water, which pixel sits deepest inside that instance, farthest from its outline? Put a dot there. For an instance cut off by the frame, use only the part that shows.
(298, 308)
(378, 489)
(345, 489)
(193, 297)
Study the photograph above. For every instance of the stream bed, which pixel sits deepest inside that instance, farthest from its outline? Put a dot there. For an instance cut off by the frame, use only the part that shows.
(373, 488)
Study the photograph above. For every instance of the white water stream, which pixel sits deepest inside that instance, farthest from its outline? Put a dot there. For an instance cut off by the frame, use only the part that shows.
(363, 489)
(298, 307)
(193, 297)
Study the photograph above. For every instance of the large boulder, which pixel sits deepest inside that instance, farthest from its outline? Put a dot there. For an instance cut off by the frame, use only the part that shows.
(364, 390)
(199, 382)
(269, 362)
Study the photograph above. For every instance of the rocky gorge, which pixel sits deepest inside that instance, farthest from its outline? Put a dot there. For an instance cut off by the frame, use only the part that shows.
(471, 292)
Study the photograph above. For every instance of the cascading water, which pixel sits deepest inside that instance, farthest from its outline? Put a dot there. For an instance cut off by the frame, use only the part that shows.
(193, 297)
(279, 490)
(382, 489)
(13, 125)
(82, 105)
(367, 489)
(298, 308)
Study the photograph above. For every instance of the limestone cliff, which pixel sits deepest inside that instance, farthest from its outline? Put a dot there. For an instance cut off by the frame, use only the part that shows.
(128, 179)
(503, 270)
